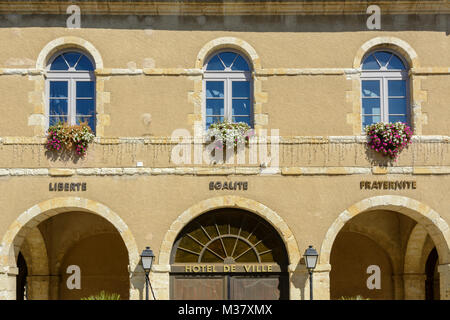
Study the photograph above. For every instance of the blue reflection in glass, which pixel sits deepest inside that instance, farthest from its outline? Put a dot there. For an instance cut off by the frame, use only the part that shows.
(241, 107)
(85, 89)
(215, 64)
(240, 64)
(214, 107)
(371, 106)
(214, 89)
(397, 88)
(85, 107)
(397, 106)
(58, 107)
(59, 64)
(241, 89)
(397, 118)
(370, 63)
(227, 58)
(57, 119)
(58, 89)
(72, 58)
(396, 64)
(371, 88)
(85, 64)
(245, 119)
(368, 120)
(383, 57)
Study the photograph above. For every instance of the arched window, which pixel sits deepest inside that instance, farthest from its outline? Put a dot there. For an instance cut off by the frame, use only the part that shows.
(71, 89)
(384, 84)
(228, 89)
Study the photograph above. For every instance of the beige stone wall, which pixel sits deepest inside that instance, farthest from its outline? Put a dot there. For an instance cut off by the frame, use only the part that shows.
(306, 85)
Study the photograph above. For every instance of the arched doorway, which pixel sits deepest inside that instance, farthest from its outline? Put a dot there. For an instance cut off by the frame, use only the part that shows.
(63, 232)
(229, 254)
(432, 276)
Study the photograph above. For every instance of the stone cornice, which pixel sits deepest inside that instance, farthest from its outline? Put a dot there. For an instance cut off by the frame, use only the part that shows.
(215, 8)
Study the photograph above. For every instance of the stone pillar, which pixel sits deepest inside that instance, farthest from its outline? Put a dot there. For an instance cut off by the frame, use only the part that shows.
(398, 287)
(444, 281)
(54, 283)
(414, 286)
(8, 283)
(159, 280)
(38, 287)
(321, 282)
(297, 280)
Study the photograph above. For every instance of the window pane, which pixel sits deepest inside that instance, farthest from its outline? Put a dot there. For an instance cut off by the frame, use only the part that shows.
(58, 89)
(214, 89)
(367, 120)
(241, 106)
(383, 57)
(214, 107)
(397, 106)
(396, 64)
(85, 89)
(371, 106)
(211, 120)
(72, 58)
(85, 64)
(90, 120)
(241, 89)
(371, 88)
(58, 107)
(240, 64)
(227, 58)
(242, 119)
(85, 107)
(370, 63)
(59, 64)
(397, 88)
(397, 119)
(56, 119)
(215, 64)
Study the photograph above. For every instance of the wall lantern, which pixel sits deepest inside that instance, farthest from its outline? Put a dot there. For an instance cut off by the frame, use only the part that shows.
(147, 257)
(311, 256)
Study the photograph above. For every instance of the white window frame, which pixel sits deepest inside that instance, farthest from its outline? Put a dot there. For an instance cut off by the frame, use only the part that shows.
(71, 77)
(384, 75)
(227, 76)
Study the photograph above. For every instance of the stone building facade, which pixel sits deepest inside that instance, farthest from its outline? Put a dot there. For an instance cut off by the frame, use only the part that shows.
(311, 181)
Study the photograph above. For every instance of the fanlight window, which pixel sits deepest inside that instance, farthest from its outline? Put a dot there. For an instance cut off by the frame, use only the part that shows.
(71, 89)
(229, 236)
(228, 89)
(384, 84)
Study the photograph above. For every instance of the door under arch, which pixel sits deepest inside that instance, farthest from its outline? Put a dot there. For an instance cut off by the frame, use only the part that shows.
(229, 254)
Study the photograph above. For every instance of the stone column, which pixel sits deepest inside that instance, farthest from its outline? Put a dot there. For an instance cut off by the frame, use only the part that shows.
(299, 282)
(54, 283)
(321, 282)
(38, 287)
(444, 281)
(159, 280)
(398, 287)
(414, 286)
(8, 283)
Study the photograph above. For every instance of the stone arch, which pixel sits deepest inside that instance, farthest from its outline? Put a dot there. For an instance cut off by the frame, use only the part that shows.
(414, 250)
(228, 42)
(396, 44)
(230, 202)
(20, 228)
(68, 42)
(433, 223)
(34, 251)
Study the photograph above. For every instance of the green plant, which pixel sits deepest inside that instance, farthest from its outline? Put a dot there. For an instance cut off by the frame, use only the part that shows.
(229, 132)
(103, 295)
(62, 136)
(358, 297)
